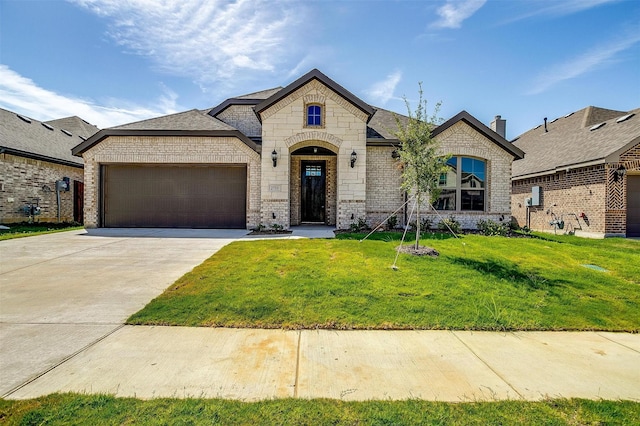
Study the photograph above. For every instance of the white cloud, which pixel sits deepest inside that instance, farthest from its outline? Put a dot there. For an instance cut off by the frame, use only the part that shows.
(22, 95)
(382, 91)
(453, 12)
(207, 40)
(598, 56)
(559, 8)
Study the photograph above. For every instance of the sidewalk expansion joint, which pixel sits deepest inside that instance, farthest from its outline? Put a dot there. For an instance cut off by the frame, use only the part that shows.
(618, 343)
(62, 361)
(488, 366)
(295, 385)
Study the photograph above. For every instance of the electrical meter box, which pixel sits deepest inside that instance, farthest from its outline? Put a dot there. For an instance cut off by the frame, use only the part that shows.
(535, 196)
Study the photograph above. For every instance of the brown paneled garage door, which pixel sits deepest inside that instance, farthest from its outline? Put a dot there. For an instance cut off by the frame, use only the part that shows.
(633, 205)
(174, 196)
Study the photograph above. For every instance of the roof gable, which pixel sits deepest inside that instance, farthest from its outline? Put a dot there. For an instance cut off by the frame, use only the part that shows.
(75, 125)
(188, 123)
(315, 74)
(467, 118)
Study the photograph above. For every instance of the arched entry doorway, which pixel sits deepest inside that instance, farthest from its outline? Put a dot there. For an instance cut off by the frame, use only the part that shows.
(313, 184)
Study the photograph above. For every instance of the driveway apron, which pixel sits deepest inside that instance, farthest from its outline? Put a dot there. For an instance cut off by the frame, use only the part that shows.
(61, 293)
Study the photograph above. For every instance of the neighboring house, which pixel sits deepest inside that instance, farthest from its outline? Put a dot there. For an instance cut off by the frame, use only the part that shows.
(34, 155)
(311, 152)
(581, 171)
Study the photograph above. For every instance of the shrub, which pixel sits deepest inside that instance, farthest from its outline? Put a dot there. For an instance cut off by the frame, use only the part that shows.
(392, 222)
(450, 224)
(425, 224)
(489, 228)
(360, 225)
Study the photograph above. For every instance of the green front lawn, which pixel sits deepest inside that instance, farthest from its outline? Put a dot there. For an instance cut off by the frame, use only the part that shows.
(480, 283)
(19, 230)
(63, 409)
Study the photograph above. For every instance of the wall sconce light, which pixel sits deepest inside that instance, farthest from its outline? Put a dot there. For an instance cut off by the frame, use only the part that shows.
(619, 173)
(354, 157)
(395, 154)
(273, 215)
(274, 157)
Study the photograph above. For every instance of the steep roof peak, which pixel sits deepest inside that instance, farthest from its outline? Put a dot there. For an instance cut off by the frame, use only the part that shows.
(595, 115)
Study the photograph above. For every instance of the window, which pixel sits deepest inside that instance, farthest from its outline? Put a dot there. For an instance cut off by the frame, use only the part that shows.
(314, 115)
(463, 185)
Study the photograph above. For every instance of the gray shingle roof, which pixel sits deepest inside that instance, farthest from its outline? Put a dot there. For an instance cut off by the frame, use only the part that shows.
(75, 125)
(383, 124)
(189, 120)
(35, 140)
(263, 94)
(570, 141)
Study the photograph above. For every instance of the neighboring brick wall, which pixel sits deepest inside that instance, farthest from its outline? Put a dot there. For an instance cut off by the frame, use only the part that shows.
(243, 118)
(590, 190)
(330, 184)
(344, 131)
(24, 180)
(565, 194)
(170, 150)
(384, 178)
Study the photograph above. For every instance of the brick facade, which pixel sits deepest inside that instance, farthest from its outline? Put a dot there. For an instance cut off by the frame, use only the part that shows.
(588, 199)
(170, 150)
(24, 181)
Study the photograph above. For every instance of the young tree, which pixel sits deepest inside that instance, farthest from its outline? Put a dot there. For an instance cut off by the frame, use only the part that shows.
(421, 162)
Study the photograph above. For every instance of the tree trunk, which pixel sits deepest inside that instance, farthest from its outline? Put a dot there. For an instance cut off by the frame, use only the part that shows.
(418, 222)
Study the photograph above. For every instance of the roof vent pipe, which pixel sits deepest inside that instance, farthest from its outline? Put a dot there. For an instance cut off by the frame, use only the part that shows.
(545, 125)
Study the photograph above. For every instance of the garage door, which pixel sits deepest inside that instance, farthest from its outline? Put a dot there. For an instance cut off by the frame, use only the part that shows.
(174, 196)
(633, 206)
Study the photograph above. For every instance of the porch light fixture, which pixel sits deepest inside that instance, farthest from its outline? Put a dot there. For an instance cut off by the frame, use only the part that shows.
(619, 173)
(395, 154)
(354, 157)
(274, 157)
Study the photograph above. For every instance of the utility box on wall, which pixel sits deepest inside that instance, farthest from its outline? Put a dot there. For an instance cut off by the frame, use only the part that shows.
(535, 196)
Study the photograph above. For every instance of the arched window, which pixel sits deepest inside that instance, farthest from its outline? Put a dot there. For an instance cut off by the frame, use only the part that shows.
(463, 187)
(314, 115)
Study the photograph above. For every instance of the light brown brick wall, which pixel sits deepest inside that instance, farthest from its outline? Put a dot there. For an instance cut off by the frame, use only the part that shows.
(24, 180)
(170, 150)
(384, 178)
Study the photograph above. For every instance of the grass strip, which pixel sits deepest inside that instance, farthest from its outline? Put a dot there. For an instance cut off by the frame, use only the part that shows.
(66, 409)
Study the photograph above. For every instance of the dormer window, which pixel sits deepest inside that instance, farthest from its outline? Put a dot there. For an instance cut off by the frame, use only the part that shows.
(314, 115)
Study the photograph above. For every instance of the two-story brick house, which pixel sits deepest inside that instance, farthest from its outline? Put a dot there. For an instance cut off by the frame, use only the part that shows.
(311, 152)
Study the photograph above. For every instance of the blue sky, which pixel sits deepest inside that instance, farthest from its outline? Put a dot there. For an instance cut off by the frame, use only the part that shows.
(113, 61)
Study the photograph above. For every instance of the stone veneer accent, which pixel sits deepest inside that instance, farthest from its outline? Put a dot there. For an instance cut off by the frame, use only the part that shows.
(570, 193)
(23, 180)
(344, 131)
(243, 118)
(170, 150)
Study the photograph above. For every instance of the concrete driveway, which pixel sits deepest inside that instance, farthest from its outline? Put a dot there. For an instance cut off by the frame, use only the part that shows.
(61, 293)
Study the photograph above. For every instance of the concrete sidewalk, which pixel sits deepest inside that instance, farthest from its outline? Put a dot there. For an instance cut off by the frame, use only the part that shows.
(248, 364)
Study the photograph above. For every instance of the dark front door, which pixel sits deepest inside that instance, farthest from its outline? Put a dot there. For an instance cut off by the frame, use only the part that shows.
(633, 206)
(313, 194)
